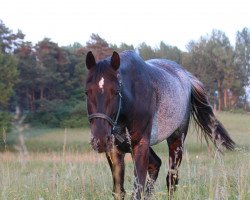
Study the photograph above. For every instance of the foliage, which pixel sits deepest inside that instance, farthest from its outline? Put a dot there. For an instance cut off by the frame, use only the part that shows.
(242, 51)
(8, 78)
(58, 113)
(8, 73)
(9, 40)
(5, 128)
(211, 59)
(99, 47)
(168, 52)
(51, 82)
(122, 47)
(5, 119)
(146, 51)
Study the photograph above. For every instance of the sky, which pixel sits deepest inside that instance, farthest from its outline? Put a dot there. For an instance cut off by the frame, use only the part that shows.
(174, 22)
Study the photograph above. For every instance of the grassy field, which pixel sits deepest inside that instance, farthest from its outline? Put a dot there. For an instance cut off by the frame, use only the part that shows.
(59, 164)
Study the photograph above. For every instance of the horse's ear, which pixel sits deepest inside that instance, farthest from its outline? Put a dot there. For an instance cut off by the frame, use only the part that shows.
(90, 60)
(115, 61)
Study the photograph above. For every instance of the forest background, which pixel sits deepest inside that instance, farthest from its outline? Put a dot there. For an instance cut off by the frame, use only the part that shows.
(45, 82)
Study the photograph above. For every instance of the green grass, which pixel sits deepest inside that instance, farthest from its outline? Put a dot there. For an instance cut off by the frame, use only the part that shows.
(59, 164)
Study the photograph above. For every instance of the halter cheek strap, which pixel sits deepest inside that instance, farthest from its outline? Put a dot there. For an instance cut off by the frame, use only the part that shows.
(106, 117)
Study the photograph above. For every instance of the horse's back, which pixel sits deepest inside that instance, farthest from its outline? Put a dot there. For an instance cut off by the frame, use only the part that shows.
(173, 87)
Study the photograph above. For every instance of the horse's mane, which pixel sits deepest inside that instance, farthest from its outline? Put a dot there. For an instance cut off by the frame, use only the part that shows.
(130, 59)
(102, 68)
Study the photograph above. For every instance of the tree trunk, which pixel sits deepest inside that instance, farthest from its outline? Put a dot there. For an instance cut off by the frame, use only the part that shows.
(245, 102)
(225, 99)
(32, 100)
(234, 100)
(41, 96)
(219, 96)
(41, 93)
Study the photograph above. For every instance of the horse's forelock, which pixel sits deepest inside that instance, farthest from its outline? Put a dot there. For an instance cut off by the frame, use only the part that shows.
(102, 69)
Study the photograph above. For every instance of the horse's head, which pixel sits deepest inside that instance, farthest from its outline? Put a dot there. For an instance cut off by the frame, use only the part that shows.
(103, 99)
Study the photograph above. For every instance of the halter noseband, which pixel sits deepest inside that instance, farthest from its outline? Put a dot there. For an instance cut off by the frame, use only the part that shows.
(106, 117)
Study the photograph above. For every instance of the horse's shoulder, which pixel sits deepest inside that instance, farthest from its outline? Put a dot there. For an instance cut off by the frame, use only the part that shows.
(130, 55)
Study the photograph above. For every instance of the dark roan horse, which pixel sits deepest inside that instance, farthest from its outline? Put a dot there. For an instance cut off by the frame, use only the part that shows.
(133, 104)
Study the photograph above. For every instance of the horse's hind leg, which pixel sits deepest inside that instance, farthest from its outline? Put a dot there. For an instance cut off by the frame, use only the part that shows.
(117, 165)
(175, 144)
(153, 170)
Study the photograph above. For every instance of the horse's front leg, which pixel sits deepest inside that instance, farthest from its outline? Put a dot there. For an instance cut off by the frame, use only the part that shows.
(140, 154)
(117, 166)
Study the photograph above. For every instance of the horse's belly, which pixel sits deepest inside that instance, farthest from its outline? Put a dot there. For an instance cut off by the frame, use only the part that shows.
(169, 116)
(173, 93)
(161, 130)
(163, 127)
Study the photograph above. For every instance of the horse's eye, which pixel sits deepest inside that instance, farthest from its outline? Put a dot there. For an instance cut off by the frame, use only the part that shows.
(86, 92)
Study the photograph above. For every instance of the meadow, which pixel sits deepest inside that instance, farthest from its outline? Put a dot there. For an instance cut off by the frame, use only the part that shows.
(50, 164)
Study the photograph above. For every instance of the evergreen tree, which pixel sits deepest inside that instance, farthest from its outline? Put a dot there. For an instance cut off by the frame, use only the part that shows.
(124, 47)
(9, 40)
(169, 52)
(146, 51)
(8, 78)
(8, 72)
(26, 87)
(100, 48)
(242, 60)
(212, 60)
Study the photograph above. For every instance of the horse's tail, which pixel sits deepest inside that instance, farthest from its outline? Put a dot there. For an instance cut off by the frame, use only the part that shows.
(204, 117)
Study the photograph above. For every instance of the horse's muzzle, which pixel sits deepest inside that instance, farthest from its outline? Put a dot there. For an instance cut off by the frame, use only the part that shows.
(102, 145)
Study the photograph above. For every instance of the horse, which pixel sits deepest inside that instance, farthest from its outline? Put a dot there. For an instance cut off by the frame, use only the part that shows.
(134, 104)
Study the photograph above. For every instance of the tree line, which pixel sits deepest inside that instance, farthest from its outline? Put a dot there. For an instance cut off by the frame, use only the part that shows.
(45, 81)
